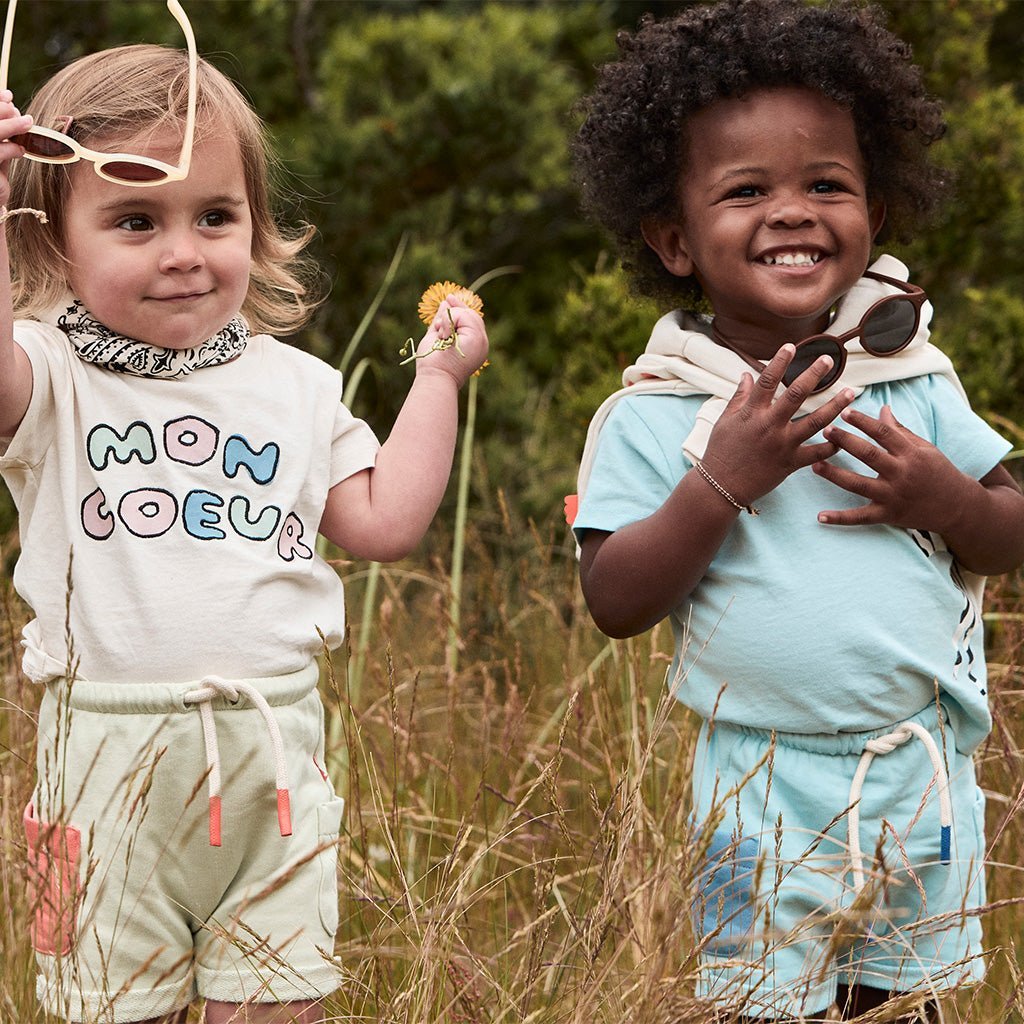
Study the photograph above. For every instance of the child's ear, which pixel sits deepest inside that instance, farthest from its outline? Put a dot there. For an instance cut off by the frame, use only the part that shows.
(668, 241)
(876, 216)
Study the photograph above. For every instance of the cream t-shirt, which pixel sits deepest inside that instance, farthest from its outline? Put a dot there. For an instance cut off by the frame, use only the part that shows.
(168, 527)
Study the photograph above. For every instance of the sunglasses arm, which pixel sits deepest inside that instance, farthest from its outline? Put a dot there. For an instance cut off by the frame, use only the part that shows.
(5, 53)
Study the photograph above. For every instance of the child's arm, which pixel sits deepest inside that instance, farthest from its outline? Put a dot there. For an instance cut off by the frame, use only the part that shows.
(634, 577)
(917, 487)
(15, 368)
(382, 513)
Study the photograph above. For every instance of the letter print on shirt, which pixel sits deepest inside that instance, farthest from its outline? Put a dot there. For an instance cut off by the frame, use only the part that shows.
(104, 441)
(205, 515)
(262, 464)
(190, 440)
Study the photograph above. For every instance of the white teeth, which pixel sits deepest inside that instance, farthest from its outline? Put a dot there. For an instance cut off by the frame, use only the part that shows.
(792, 259)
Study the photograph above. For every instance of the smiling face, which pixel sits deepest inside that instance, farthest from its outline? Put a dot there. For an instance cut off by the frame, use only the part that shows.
(169, 264)
(775, 220)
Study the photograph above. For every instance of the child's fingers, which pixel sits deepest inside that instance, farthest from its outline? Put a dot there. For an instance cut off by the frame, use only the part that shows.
(771, 376)
(809, 425)
(465, 320)
(451, 310)
(812, 454)
(468, 323)
(12, 124)
(803, 386)
(855, 483)
(743, 389)
(861, 448)
(886, 431)
(863, 515)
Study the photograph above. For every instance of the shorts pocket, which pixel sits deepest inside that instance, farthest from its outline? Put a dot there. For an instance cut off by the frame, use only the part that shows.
(328, 821)
(53, 856)
(726, 898)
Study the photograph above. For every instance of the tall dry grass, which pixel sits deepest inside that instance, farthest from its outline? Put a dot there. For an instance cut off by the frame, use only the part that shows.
(517, 845)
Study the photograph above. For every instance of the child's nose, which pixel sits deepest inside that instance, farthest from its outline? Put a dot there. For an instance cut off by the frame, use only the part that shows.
(789, 211)
(181, 252)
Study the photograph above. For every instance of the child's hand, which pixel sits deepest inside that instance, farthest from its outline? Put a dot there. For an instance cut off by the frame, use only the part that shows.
(12, 122)
(461, 359)
(916, 486)
(757, 441)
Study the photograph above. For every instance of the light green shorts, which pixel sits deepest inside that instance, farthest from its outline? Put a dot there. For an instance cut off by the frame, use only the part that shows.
(783, 915)
(136, 912)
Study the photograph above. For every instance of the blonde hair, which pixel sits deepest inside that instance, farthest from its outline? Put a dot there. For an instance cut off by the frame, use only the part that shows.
(118, 94)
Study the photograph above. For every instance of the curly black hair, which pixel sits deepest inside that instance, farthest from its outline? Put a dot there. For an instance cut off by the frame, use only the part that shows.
(631, 150)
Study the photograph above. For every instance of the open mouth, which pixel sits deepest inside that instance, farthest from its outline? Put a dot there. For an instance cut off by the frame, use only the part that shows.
(791, 259)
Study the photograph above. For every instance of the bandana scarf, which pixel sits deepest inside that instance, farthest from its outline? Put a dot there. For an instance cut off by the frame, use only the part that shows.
(95, 343)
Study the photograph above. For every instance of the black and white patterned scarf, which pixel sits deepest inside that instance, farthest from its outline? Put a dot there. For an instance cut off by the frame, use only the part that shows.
(96, 343)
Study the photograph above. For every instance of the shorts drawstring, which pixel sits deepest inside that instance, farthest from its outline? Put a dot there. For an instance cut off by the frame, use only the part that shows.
(211, 687)
(886, 745)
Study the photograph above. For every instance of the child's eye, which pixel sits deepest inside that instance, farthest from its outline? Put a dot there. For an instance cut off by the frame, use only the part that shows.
(135, 222)
(744, 192)
(215, 219)
(826, 187)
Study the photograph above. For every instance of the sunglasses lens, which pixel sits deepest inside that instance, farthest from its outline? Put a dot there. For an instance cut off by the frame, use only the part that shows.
(890, 327)
(127, 171)
(805, 356)
(44, 147)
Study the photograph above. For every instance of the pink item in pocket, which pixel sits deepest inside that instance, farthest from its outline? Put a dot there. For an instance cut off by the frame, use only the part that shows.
(53, 855)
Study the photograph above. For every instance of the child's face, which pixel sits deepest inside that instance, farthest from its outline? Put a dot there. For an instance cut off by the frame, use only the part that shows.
(169, 264)
(776, 222)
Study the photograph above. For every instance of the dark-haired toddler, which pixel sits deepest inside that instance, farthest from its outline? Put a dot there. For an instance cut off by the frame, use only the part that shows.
(795, 478)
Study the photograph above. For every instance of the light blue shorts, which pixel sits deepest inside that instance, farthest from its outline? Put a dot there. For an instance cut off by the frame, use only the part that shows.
(779, 918)
(136, 910)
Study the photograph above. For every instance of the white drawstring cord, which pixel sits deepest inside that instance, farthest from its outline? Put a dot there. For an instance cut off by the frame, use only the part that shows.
(203, 696)
(886, 745)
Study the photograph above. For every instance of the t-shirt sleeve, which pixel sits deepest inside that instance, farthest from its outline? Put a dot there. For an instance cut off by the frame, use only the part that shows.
(638, 462)
(354, 446)
(960, 434)
(50, 372)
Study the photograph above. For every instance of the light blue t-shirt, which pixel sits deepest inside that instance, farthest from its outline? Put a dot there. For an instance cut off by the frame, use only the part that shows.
(802, 627)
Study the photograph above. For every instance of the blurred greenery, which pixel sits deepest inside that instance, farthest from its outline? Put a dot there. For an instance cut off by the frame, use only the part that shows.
(447, 123)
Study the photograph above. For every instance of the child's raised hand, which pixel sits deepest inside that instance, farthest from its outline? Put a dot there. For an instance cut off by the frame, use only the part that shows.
(759, 439)
(12, 122)
(915, 487)
(461, 359)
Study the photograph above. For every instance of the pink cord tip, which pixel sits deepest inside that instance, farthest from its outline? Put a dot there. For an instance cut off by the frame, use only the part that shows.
(215, 821)
(284, 812)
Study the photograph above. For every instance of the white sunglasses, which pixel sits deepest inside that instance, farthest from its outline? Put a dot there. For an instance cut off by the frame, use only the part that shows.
(54, 147)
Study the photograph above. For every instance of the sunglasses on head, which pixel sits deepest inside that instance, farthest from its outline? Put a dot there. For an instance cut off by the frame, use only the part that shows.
(887, 327)
(49, 146)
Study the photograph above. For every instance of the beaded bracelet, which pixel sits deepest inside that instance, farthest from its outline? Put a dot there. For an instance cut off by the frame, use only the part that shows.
(750, 509)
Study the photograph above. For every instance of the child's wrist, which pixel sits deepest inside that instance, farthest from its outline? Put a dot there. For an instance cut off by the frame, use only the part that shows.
(427, 375)
(737, 503)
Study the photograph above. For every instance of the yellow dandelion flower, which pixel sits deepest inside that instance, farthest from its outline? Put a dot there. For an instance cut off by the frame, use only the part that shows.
(430, 301)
